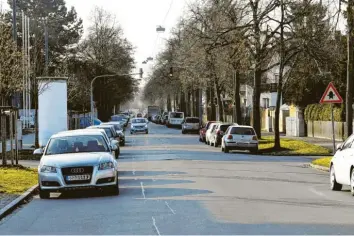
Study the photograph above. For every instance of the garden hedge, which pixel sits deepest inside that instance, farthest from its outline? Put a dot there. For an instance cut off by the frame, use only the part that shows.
(322, 112)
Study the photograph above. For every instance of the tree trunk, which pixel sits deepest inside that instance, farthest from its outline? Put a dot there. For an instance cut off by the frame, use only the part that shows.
(182, 102)
(350, 65)
(197, 110)
(169, 107)
(3, 138)
(188, 103)
(237, 115)
(220, 103)
(280, 81)
(256, 102)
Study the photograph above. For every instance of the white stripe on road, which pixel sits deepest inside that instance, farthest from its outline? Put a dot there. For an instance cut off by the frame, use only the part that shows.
(170, 208)
(317, 192)
(142, 189)
(154, 223)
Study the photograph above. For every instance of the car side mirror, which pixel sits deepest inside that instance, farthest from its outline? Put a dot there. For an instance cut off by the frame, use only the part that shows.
(114, 144)
(38, 151)
(339, 146)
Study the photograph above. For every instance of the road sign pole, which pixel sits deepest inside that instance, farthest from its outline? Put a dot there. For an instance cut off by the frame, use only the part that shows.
(334, 135)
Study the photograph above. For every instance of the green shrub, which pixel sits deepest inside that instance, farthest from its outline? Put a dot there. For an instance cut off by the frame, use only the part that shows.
(322, 112)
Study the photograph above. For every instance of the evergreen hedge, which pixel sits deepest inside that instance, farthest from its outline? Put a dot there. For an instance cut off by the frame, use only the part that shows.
(322, 112)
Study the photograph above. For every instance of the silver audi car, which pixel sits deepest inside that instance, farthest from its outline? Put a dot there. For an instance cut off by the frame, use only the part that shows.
(77, 160)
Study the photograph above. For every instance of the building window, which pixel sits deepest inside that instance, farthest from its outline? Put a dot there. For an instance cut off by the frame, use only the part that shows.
(266, 103)
(276, 78)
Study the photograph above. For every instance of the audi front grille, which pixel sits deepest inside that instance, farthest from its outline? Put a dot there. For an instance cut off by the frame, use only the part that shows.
(80, 170)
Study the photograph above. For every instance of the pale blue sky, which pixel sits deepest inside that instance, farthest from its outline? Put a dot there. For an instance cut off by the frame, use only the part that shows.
(138, 19)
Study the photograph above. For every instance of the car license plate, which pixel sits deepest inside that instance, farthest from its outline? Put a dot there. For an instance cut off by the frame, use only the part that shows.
(78, 177)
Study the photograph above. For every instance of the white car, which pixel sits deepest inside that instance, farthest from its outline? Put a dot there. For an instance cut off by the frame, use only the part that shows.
(239, 137)
(342, 165)
(76, 160)
(139, 125)
(209, 131)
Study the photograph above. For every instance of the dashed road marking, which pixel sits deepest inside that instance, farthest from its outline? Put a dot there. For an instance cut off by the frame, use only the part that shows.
(173, 212)
(154, 223)
(142, 189)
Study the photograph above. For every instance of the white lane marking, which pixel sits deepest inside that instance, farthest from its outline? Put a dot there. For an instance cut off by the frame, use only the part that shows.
(170, 208)
(133, 171)
(154, 223)
(317, 192)
(142, 189)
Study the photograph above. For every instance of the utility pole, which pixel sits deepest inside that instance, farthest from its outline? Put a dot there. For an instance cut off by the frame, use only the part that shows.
(350, 64)
(46, 46)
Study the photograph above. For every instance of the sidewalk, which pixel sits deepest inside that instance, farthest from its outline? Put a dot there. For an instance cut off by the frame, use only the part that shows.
(27, 142)
(326, 143)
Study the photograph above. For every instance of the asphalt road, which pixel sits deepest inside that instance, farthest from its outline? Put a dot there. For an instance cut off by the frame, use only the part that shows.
(172, 184)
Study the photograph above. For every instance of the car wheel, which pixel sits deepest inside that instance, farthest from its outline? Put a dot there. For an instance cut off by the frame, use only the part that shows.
(147, 132)
(131, 132)
(216, 144)
(352, 182)
(43, 194)
(200, 139)
(123, 143)
(183, 132)
(254, 150)
(226, 149)
(336, 186)
(114, 190)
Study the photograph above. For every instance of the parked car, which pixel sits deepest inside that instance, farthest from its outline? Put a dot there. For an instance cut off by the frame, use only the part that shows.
(239, 137)
(111, 133)
(342, 166)
(175, 119)
(119, 130)
(202, 131)
(165, 119)
(139, 125)
(139, 115)
(74, 160)
(217, 134)
(191, 124)
(209, 131)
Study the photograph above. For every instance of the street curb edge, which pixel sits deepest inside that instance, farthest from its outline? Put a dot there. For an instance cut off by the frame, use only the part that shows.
(12, 205)
(319, 167)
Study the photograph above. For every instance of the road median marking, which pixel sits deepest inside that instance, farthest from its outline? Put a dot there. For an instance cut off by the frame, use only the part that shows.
(155, 226)
(142, 189)
(173, 212)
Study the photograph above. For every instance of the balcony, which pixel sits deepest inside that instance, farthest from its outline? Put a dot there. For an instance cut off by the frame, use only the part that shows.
(269, 88)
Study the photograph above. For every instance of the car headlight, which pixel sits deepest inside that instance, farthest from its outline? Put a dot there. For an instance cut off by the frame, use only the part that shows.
(48, 169)
(105, 165)
(146, 126)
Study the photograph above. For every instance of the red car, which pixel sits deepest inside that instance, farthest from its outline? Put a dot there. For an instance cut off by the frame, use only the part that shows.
(203, 130)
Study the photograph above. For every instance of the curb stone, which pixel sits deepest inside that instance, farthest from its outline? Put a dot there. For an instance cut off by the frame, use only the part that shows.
(319, 167)
(15, 203)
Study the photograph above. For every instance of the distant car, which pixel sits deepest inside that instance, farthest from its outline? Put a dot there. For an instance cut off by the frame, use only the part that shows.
(119, 130)
(209, 131)
(239, 137)
(111, 133)
(139, 125)
(175, 119)
(202, 131)
(77, 160)
(218, 133)
(191, 124)
(139, 115)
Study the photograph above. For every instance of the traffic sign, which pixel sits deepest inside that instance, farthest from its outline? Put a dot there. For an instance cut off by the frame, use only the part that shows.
(331, 95)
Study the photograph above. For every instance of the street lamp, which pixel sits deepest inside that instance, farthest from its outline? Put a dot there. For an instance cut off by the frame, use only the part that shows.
(103, 76)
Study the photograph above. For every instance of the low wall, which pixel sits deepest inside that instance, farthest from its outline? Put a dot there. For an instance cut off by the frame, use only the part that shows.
(323, 129)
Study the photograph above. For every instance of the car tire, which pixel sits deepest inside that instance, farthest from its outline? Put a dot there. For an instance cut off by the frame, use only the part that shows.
(147, 132)
(254, 150)
(183, 132)
(226, 149)
(43, 194)
(216, 144)
(123, 143)
(352, 182)
(114, 190)
(334, 185)
(200, 139)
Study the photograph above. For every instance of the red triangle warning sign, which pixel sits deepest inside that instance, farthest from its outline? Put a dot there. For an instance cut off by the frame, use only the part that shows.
(331, 95)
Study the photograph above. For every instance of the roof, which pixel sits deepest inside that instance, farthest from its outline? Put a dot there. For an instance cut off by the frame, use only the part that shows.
(192, 117)
(100, 126)
(77, 132)
(242, 126)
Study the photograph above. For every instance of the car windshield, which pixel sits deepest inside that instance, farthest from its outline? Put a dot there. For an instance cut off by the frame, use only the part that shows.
(192, 120)
(106, 129)
(117, 118)
(177, 115)
(135, 121)
(77, 144)
(223, 128)
(242, 131)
